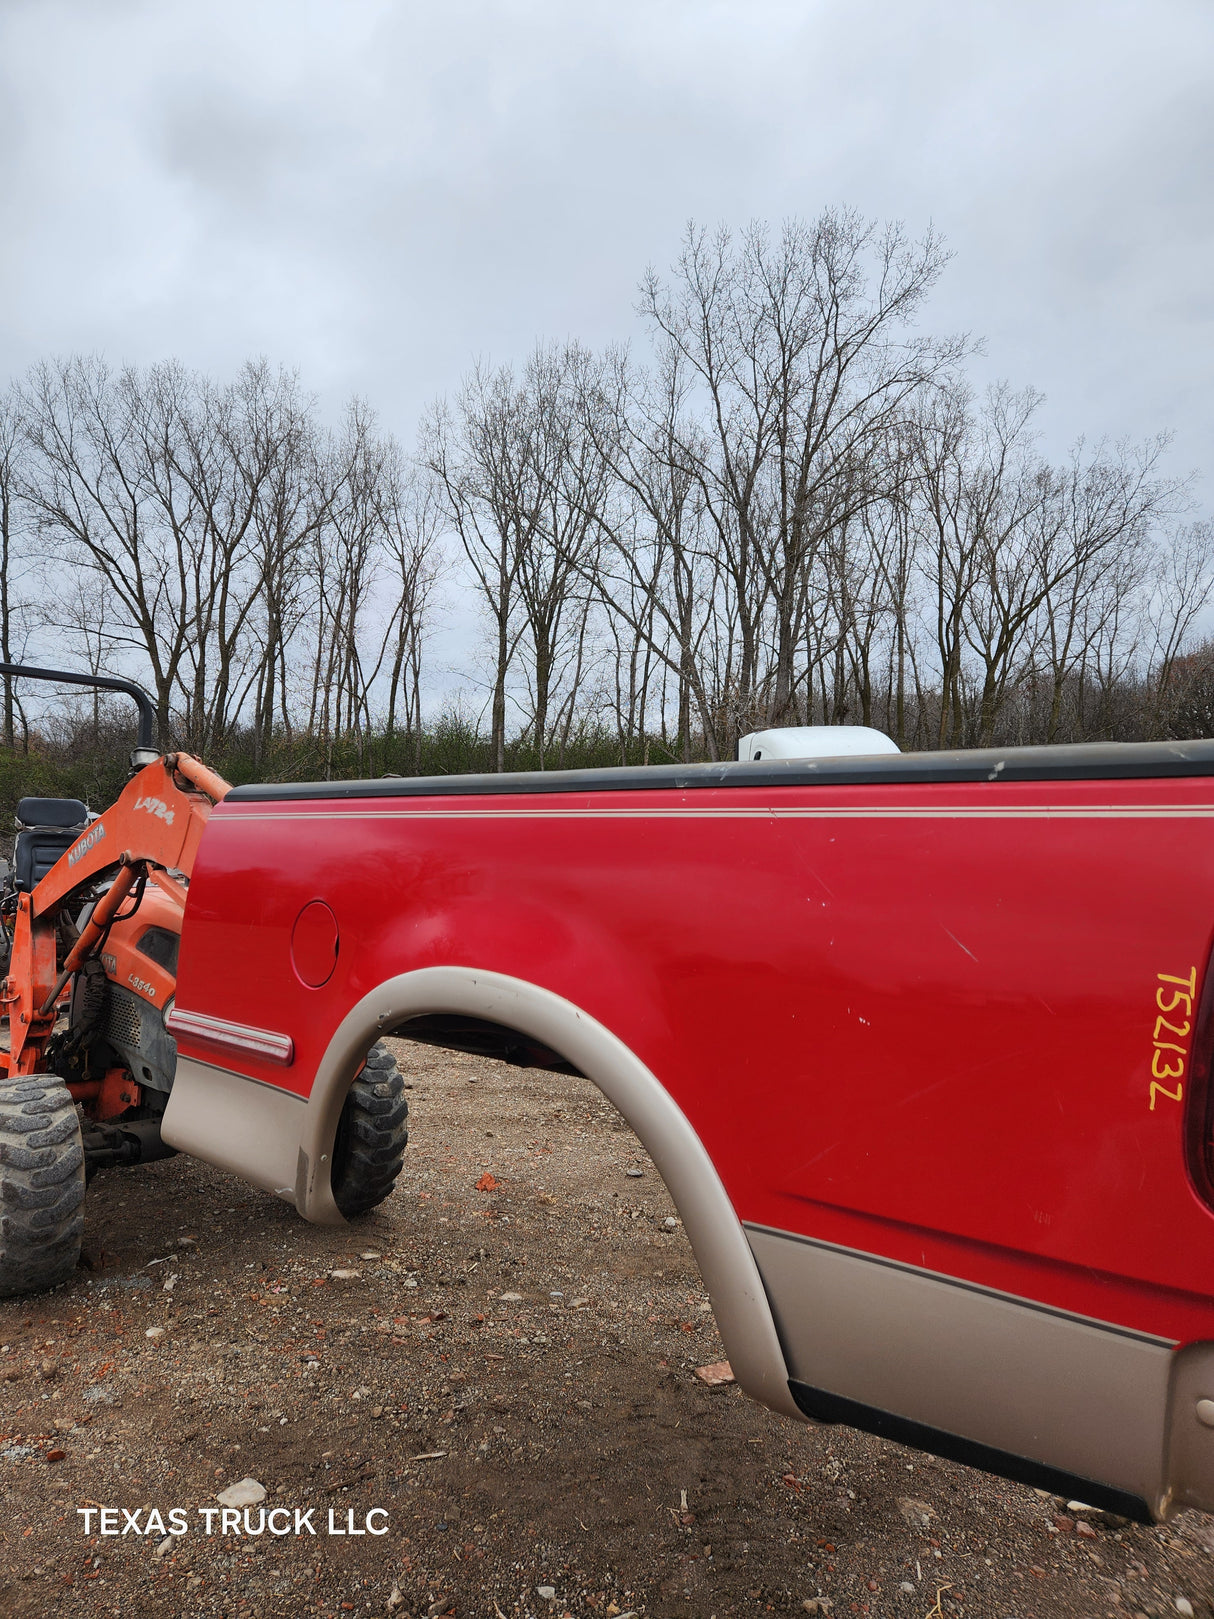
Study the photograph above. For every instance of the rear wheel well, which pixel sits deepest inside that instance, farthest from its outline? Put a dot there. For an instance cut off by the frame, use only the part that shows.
(454, 1005)
(483, 1038)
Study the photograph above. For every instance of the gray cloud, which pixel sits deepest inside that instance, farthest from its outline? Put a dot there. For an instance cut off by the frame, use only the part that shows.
(377, 192)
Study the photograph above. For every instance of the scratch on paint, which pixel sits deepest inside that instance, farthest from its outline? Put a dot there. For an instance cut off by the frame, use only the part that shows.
(959, 945)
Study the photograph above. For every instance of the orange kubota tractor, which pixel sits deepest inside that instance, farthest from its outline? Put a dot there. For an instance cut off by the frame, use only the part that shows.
(91, 919)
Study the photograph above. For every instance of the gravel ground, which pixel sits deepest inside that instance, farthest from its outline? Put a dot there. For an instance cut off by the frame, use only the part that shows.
(498, 1368)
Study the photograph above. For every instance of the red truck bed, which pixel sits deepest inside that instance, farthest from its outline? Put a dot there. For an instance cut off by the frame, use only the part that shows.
(920, 1044)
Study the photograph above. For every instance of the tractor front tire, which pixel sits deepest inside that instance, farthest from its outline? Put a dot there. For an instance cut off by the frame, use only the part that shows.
(372, 1134)
(41, 1184)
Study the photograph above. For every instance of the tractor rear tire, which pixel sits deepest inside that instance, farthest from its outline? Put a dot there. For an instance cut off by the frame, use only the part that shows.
(41, 1184)
(372, 1134)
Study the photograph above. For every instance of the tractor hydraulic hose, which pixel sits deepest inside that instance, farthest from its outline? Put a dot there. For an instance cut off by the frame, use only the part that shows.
(198, 775)
(95, 929)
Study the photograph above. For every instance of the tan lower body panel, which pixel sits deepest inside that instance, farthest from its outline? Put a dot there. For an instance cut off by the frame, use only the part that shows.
(236, 1123)
(1191, 1440)
(1084, 1399)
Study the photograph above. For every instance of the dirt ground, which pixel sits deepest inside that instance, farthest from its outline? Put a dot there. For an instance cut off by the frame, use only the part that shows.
(498, 1369)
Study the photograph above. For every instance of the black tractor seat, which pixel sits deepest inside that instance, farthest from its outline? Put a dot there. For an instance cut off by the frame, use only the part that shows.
(47, 829)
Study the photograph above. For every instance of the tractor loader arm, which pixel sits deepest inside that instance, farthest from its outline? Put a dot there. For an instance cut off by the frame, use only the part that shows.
(156, 821)
(95, 937)
(158, 817)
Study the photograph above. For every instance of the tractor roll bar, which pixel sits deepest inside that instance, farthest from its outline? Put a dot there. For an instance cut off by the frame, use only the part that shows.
(147, 714)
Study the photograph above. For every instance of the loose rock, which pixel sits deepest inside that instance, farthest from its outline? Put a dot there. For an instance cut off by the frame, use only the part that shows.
(246, 1492)
(916, 1513)
(719, 1372)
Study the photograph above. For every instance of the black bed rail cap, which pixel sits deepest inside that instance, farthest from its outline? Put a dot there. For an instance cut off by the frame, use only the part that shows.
(1083, 761)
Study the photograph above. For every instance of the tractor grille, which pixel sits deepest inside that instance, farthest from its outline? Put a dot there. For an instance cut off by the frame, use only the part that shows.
(123, 1026)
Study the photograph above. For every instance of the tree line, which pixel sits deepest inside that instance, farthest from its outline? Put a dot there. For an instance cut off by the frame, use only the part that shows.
(792, 506)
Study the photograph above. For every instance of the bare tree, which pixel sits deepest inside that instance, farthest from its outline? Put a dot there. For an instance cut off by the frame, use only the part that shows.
(565, 489)
(93, 494)
(969, 498)
(483, 455)
(803, 352)
(346, 562)
(410, 521)
(1098, 551)
(14, 557)
(293, 505)
(1180, 588)
(653, 572)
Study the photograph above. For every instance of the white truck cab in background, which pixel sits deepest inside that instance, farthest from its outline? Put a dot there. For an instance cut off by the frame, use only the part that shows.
(814, 742)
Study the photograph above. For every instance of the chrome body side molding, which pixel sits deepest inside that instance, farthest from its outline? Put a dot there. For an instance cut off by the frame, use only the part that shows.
(263, 1043)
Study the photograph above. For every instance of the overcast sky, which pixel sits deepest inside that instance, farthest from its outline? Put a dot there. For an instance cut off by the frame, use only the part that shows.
(378, 191)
